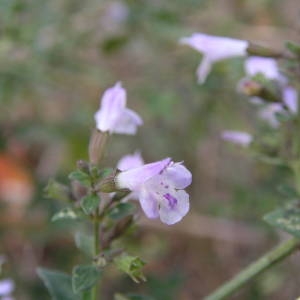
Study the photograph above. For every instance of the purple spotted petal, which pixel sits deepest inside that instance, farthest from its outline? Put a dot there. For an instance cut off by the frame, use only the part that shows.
(174, 207)
(290, 99)
(6, 287)
(179, 175)
(130, 161)
(148, 203)
(134, 178)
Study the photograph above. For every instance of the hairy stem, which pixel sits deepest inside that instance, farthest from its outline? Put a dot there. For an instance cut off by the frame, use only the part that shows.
(259, 266)
(95, 290)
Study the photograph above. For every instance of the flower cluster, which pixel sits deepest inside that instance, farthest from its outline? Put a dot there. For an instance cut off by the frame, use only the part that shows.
(258, 69)
(160, 185)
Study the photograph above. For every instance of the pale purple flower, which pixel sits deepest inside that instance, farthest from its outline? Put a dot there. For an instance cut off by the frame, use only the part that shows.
(290, 99)
(160, 188)
(237, 137)
(6, 287)
(214, 48)
(268, 114)
(130, 161)
(263, 65)
(113, 116)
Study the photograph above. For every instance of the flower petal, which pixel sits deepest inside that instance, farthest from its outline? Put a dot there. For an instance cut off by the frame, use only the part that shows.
(148, 203)
(6, 287)
(174, 207)
(237, 137)
(264, 65)
(216, 47)
(130, 161)
(179, 175)
(127, 122)
(112, 105)
(290, 99)
(134, 178)
(203, 69)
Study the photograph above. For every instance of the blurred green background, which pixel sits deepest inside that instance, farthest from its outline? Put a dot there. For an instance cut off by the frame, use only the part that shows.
(56, 59)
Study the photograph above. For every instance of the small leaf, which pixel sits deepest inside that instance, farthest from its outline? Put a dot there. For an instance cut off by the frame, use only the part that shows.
(56, 190)
(287, 191)
(67, 214)
(84, 277)
(89, 203)
(287, 219)
(293, 48)
(85, 243)
(132, 265)
(131, 297)
(121, 210)
(105, 172)
(58, 284)
(80, 176)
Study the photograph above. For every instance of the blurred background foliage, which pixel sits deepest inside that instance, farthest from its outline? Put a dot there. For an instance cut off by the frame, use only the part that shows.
(56, 59)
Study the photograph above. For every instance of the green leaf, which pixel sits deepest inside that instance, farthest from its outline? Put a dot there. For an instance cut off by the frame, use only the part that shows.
(287, 191)
(80, 176)
(106, 172)
(89, 203)
(56, 190)
(293, 48)
(131, 265)
(121, 210)
(85, 243)
(131, 297)
(84, 277)
(287, 218)
(58, 284)
(67, 213)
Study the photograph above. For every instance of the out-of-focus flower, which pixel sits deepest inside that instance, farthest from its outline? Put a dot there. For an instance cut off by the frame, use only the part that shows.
(237, 137)
(263, 65)
(268, 114)
(160, 187)
(113, 116)
(16, 186)
(290, 99)
(214, 48)
(130, 161)
(6, 287)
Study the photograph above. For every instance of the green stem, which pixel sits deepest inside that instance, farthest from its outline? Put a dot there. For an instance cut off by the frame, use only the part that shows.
(95, 290)
(262, 264)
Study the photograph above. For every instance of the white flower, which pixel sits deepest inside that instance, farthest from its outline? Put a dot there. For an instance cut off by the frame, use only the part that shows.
(214, 48)
(263, 65)
(237, 137)
(268, 114)
(290, 99)
(113, 116)
(160, 189)
(6, 287)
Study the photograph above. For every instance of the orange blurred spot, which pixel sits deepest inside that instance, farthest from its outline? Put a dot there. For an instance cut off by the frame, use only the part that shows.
(16, 186)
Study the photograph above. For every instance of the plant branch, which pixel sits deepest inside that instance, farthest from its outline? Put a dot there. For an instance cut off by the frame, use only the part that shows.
(262, 264)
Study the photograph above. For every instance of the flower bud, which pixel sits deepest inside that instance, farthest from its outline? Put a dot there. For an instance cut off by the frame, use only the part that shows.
(257, 50)
(83, 166)
(97, 146)
(108, 185)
